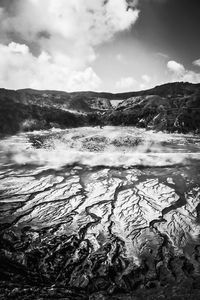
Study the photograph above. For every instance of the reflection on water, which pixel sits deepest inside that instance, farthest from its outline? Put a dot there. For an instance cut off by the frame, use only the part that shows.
(110, 210)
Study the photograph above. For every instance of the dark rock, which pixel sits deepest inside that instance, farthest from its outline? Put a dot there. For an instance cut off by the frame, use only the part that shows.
(171, 107)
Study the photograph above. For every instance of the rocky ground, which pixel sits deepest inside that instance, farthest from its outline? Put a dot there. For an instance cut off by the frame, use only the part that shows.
(99, 228)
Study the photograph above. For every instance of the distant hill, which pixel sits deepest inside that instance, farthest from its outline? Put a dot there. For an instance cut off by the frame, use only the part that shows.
(171, 107)
(164, 90)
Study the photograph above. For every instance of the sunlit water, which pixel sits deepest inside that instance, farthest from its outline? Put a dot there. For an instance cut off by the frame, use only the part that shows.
(122, 196)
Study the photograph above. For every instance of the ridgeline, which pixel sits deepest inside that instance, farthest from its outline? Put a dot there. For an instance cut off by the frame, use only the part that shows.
(172, 107)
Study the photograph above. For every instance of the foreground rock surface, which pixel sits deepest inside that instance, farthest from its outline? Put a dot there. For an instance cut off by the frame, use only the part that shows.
(102, 229)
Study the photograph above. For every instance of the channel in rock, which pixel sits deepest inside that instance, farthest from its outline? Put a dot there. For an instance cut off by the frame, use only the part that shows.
(107, 231)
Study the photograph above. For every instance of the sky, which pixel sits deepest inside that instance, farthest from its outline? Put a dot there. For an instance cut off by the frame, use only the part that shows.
(100, 45)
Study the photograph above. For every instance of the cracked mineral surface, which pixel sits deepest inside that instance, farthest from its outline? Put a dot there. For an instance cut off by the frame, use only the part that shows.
(91, 213)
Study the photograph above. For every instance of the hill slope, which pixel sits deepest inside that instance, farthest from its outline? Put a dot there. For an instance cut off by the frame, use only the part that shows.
(172, 107)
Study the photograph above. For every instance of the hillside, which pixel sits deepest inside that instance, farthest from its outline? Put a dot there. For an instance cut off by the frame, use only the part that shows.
(171, 107)
(172, 113)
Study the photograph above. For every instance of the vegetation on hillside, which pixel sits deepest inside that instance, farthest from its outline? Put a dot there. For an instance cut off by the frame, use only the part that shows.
(171, 107)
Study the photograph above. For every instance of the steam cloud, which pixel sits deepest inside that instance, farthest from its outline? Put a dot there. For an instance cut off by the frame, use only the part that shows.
(97, 147)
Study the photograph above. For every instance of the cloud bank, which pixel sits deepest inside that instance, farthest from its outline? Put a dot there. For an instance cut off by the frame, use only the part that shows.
(51, 44)
(179, 73)
(125, 84)
(197, 62)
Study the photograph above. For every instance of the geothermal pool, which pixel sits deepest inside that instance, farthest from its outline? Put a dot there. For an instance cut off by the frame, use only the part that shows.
(92, 213)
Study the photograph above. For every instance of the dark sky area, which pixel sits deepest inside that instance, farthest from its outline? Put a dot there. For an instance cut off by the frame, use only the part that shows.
(171, 26)
(166, 30)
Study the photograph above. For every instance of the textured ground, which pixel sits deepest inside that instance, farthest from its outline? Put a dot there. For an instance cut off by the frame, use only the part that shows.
(81, 222)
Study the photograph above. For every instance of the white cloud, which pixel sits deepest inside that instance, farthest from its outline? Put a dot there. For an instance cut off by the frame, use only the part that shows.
(146, 82)
(179, 73)
(86, 80)
(197, 62)
(19, 69)
(120, 57)
(66, 34)
(125, 83)
(18, 48)
(191, 76)
(176, 68)
(146, 78)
